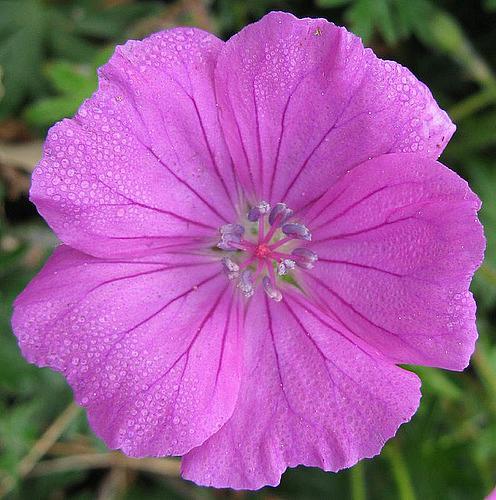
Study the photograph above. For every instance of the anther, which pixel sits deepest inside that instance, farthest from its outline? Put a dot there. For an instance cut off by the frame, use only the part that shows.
(296, 230)
(228, 233)
(284, 266)
(271, 290)
(236, 229)
(255, 212)
(230, 268)
(305, 257)
(279, 214)
(245, 283)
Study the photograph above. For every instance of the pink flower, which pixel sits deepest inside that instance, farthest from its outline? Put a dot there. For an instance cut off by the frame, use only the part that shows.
(255, 234)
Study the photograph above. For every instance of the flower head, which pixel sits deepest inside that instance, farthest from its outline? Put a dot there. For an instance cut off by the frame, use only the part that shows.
(255, 234)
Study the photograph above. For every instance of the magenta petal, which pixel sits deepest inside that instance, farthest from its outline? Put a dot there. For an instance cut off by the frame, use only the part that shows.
(143, 164)
(492, 495)
(398, 242)
(309, 395)
(301, 101)
(150, 346)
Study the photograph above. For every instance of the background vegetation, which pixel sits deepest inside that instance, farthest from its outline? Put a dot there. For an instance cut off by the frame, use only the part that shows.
(48, 54)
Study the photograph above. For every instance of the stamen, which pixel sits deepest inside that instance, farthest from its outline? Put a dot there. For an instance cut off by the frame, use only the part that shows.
(233, 245)
(284, 266)
(279, 214)
(247, 262)
(231, 268)
(230, 233)
(271, 290)
(280, 243)
(296, 230)
(305, 257)
(232, 229)
(265, 259)
(260, 267)
(255, 212)
(264, 207)
(245, 283)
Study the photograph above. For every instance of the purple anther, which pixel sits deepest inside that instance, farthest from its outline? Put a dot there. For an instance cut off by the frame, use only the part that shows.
(296, 230)
(306, 258)
(245, 283)
(264, 207)
(284, 266)
(279, 214)
(230, 233)
(230, 268)
(235, 229)
(255, 212)
(271, 290)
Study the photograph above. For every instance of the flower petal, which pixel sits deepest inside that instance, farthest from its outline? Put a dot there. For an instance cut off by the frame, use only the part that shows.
(398, 242)
(150, 346)
(320, 400)
(301, 101)
(144, 163)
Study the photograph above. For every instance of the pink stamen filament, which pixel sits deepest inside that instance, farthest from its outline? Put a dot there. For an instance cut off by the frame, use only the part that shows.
(247, 262)
(280, 243)
(271, 272)
(243, 245)
(273, 229)
(260, 266)
(281, 255)
(261, 224)
(239, 246)
(249, 244)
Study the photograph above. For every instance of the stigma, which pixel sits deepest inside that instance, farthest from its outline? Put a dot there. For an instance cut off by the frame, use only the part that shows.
(265, 249)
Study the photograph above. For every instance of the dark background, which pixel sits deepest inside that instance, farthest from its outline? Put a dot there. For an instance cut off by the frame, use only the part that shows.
(49, 51)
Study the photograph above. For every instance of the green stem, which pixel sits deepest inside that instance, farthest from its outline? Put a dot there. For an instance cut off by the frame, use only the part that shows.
(447, 35)
(473, 104)
(400, 472)
(488, 273)
(486, 372)
(357, 478)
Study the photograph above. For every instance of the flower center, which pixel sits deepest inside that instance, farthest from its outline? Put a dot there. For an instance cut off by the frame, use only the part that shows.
(262, 251)
(275, 251)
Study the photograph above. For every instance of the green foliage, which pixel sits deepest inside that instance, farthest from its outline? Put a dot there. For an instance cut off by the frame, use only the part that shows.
(73, 83)
(394, 20)
(22, 33)
(34, 31)
(490, 4)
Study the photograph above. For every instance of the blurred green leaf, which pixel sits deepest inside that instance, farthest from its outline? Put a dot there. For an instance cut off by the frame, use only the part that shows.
(33, 30)
(474, 135)
(483, 182)
(49, 110)
(490, 4)
(67, 77)
(332, 3)
(438, 382)
(362, 18)
(113, 21)
(443, 32)
(22, 27)
(17, 432)
(73, 82)
(392, 19)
